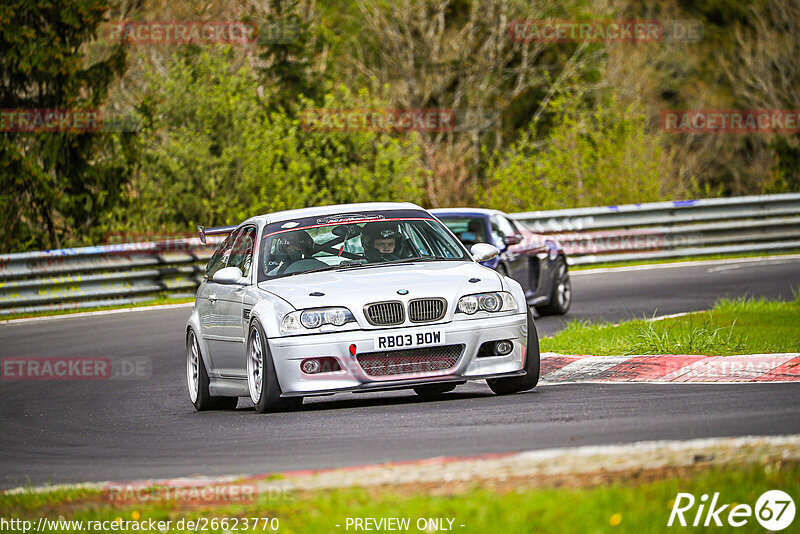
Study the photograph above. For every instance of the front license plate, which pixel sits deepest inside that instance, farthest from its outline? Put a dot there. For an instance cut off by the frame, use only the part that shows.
(409, 340)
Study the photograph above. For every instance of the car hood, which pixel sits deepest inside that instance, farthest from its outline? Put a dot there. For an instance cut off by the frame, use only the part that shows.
(357, 286)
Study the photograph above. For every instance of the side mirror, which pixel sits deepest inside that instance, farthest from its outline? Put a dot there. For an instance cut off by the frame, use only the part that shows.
(483, 251)
(512, 239)
(229, 276)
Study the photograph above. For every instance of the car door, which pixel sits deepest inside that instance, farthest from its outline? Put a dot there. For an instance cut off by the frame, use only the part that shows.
(504, 237)
(207, 303)
(229, 335)
(533, 248)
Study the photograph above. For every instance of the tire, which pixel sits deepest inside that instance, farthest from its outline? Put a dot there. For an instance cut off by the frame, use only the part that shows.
(265, 392)
(561, 293)
(434, 391)
(516, 384)
(197, 380)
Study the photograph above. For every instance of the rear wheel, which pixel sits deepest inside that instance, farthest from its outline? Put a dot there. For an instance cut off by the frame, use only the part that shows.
(265, 392)
(561, 294)
(506, 386)
(197, 380)
(433, 391)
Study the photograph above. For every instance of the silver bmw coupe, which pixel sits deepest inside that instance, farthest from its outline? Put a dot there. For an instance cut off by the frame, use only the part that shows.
(352, 298)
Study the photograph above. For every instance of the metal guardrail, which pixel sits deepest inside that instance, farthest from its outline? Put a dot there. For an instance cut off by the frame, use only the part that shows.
(101, 275)
(662, 230)
(133, 272)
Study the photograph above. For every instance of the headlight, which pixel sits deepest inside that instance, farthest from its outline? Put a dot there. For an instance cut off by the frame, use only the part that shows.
(313, 319)
(490, 302)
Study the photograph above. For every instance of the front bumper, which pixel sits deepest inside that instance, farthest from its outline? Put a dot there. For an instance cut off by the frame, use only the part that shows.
(289, 352)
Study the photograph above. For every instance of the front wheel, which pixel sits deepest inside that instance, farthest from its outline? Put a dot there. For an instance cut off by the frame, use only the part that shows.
(197, 380)
(265, 392)
(515, 384)
(561, 294)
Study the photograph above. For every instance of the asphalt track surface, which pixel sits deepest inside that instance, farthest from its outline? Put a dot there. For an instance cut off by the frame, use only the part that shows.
(60, 432)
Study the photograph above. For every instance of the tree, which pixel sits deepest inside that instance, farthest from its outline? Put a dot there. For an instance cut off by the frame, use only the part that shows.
(596, 154)
(462, 55)
(224, 155)
(289, 42)
(55, 185)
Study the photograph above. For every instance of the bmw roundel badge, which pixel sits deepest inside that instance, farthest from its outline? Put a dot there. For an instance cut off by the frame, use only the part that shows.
(402, 291)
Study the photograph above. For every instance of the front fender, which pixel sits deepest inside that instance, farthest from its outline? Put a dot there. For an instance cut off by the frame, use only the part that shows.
(270, 311)
(514, 287)
(194, 323)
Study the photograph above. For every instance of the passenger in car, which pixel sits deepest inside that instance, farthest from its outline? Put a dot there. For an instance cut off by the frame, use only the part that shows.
(383, 242)
(290, 248)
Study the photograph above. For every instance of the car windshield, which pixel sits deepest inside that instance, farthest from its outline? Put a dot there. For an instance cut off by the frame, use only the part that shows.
(354, 244)
(469, 230)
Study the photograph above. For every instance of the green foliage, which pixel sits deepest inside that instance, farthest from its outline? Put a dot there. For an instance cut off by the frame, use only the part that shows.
(289, 42)
(593, 155)
(55, 185)
(224, 154)
(787, 169)
(685, 337)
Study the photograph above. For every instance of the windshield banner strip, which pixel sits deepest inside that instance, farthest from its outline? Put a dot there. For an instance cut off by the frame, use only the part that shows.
(337, 223)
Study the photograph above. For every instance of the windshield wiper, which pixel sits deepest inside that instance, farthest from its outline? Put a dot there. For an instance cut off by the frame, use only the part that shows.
(344, 265)
(413, 259)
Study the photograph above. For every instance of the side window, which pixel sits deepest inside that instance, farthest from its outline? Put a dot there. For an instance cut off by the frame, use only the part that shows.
(512, 225)
(242, 253)
(445, 247)
(220, 257)
(501, 228)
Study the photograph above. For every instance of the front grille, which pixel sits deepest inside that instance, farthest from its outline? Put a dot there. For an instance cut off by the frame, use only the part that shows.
(385, 313)
(422, 361)
(426, 310)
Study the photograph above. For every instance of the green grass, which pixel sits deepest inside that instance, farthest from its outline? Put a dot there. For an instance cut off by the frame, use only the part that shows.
(616, 507)
(683, 259)
(740, 326)
(153, 302)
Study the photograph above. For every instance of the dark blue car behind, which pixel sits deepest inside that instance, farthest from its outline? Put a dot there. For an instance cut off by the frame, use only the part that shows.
(536, 261)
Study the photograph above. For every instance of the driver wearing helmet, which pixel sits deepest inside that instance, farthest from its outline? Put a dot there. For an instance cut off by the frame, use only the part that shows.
(289, 248)
(383, 242)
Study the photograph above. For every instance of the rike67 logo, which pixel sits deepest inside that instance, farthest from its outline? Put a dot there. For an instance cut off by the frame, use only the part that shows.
(774, 510)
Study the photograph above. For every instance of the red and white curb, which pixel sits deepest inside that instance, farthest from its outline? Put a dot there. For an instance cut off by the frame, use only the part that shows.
(564, 369)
